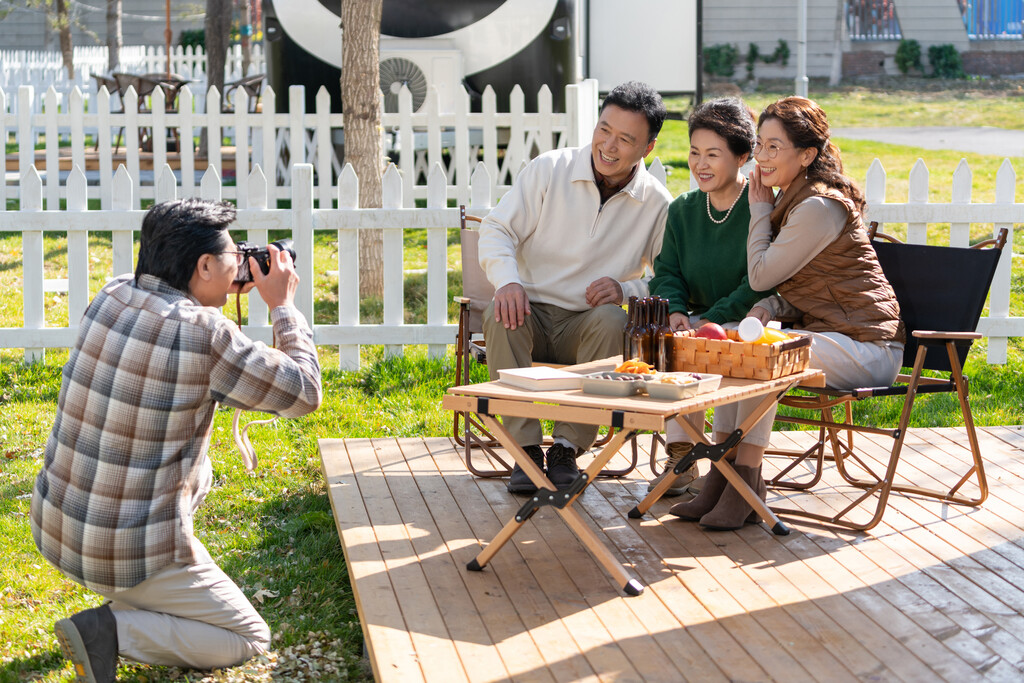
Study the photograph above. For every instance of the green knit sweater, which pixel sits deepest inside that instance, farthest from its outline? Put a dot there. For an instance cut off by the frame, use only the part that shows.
(702, 267)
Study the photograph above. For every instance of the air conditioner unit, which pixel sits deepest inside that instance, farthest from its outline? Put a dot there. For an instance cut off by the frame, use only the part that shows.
(420, 64)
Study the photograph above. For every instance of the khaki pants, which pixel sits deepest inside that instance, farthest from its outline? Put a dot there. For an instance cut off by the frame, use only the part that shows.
(192, 616)
(553, 335)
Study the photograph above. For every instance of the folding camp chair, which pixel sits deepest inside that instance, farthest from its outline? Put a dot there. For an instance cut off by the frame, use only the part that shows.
(477, 294)
(941, 292)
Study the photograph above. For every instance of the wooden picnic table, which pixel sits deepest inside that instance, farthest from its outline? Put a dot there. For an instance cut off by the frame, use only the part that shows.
(629, 415)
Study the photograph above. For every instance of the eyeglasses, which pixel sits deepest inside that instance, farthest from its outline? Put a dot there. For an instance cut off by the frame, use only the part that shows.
(239, 256)
(771, 150)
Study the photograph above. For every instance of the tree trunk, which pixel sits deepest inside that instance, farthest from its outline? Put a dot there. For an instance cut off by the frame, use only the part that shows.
(360, 97)
(114, 35)
(836, 74)
(246, 36)
(217, 27)
(66, 48)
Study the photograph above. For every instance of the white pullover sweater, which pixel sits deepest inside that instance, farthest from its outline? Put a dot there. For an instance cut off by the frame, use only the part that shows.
(551, 234)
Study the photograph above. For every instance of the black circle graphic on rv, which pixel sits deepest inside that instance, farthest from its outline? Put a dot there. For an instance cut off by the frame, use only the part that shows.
(426, 18)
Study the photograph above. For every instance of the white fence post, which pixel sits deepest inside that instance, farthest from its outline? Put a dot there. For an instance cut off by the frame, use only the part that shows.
(256, 203)
(122, 240)
(437, 258)
(999, 299)
(348, 268)
(302, 235)
(917, 233)
(394, 275)
(78, 249)
(32, 263)
(960, 233)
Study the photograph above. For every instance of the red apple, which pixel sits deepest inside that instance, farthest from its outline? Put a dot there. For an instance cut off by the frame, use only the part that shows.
(711, 331)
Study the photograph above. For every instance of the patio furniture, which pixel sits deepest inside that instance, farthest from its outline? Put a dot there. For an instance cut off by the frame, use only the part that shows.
(145, 85)
(627, 414)
(253, 87)
(110, 83)
(477, 293)
(941, 291)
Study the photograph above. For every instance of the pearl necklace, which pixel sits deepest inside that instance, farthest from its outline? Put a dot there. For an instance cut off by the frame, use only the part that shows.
(731, 206)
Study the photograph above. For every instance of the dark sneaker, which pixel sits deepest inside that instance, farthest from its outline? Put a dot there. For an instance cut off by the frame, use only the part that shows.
(562, 468)
(519, 482)
(89, 641)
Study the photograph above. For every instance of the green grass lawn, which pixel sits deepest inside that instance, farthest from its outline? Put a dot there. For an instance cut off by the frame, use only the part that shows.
(274, 530)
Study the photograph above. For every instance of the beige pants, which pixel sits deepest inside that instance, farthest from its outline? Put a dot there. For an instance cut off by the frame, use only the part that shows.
(189, 615)
(192, 616)
(553, 335)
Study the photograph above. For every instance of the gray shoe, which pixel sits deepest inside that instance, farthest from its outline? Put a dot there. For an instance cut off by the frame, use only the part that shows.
(89, 641)
(519, 482)
(676, 452)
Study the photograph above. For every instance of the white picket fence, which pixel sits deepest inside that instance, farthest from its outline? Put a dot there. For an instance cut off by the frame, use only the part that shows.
(504, 141)
(43, 69)
(257, 216)
(123, 218)
(917, 212)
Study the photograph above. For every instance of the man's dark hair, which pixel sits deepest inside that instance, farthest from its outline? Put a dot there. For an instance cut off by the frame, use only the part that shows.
(639, 97)
(730, 119)
(176, 233)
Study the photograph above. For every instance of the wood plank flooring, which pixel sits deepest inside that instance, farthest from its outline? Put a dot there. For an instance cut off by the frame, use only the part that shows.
(932, 593)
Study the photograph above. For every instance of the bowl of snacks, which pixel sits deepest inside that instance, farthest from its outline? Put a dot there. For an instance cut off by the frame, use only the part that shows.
(613, 383)
(678, 385)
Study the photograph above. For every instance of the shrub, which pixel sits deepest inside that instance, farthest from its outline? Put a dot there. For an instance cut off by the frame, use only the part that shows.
(752, 54)
(781, 54)
(908, 56)
(720, 60)
(194, 37)
(945, 61)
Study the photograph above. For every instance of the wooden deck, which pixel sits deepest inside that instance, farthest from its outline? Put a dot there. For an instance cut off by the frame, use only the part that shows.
(932, 593)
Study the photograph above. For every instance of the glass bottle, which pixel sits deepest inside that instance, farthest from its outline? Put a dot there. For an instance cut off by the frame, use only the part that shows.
(636, 337)
(649, 329)
(627, 331)
(663, 338)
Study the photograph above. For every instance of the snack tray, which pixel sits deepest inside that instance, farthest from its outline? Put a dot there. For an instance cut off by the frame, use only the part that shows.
(613, 383)
(693, 383)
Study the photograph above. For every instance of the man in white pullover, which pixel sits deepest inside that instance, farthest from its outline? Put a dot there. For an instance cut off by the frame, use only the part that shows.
(563, 249)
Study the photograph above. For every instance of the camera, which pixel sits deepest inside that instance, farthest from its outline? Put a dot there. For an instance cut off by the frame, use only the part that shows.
(262, 256)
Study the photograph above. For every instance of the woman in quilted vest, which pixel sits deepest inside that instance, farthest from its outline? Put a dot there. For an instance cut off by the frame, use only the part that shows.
(809, 244)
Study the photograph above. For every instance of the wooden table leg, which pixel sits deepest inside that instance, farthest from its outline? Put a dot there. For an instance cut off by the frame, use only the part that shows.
(723, 465)
(572, 518)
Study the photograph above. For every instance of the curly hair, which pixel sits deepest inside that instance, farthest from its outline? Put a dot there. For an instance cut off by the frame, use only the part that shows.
(806, 125)
(730, 119)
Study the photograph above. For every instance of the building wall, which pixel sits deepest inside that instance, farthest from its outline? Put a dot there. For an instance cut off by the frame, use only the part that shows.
(143, 23)
(741, 22)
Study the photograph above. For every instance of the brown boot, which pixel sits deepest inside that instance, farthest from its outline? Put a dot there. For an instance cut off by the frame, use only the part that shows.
(695, 508)
(732, 511)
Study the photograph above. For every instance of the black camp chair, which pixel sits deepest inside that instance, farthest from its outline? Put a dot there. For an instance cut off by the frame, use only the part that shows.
(941, 291)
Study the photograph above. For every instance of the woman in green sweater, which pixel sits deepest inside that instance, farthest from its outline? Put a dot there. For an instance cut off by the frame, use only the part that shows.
(702, 268)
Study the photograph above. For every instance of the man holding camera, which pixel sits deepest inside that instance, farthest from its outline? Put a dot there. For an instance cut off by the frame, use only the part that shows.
(126, 464)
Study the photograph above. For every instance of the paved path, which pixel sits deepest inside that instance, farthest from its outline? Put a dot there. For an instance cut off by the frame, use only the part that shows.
(996, 141)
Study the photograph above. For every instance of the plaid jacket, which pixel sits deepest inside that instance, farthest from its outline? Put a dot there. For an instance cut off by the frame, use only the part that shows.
(126, 462)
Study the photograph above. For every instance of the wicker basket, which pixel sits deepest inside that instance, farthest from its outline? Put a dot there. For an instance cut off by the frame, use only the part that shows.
(736, 358)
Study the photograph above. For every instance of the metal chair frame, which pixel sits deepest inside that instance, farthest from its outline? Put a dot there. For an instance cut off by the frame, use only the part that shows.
(838, 435)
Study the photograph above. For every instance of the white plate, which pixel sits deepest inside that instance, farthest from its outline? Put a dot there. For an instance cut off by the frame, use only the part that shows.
(700, 383)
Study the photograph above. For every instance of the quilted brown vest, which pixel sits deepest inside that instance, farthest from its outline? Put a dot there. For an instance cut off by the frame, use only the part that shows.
(843, 288)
